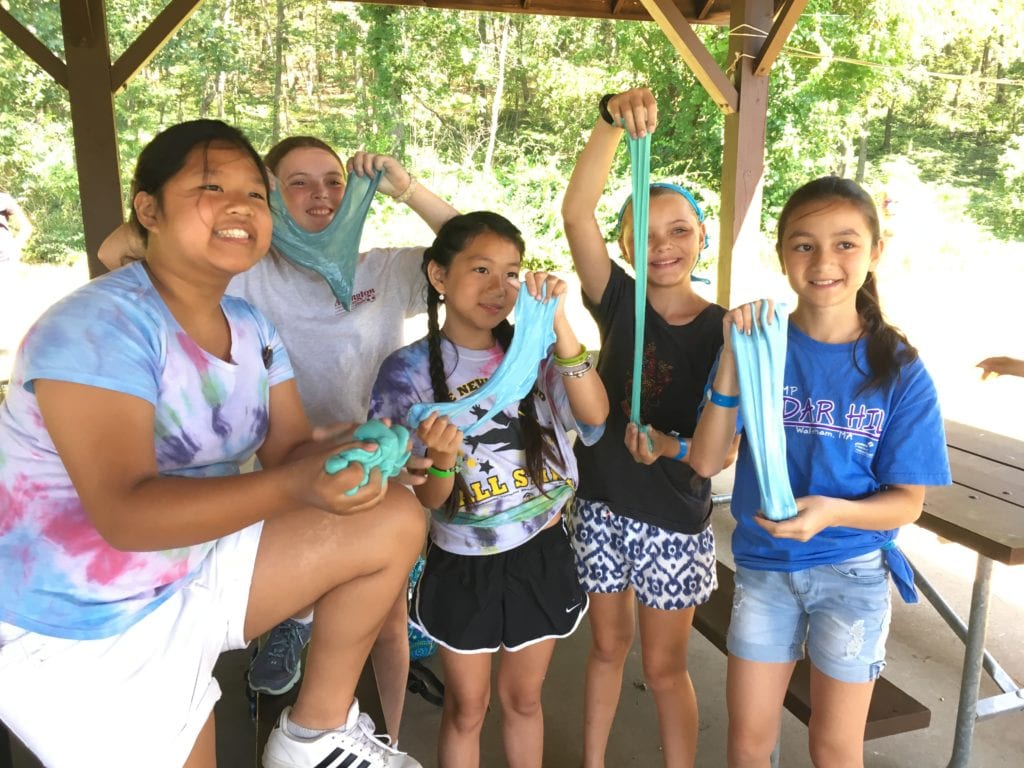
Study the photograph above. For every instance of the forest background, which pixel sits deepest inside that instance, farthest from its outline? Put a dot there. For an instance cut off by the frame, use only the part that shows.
(921, 100)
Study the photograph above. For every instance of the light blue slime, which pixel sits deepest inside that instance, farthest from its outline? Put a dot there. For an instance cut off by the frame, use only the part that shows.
(333, 252)
(389, 457)
(640, 158)
(760, 365)
(515, 377)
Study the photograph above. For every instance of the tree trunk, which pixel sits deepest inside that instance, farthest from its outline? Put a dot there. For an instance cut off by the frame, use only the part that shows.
(275, 133)
(499, 90)
(862, 157)
(887, 141)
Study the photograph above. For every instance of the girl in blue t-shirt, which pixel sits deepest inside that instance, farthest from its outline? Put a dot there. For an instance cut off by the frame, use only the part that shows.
(132, 550)
(500, 574)
(864, 437)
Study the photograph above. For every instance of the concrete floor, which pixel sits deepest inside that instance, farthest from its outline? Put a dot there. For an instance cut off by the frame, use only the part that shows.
(924, 658)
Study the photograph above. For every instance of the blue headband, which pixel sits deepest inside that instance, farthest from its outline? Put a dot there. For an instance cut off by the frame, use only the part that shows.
(664, 185)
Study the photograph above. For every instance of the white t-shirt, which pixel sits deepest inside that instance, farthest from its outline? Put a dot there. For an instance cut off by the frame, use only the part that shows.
(336, 353)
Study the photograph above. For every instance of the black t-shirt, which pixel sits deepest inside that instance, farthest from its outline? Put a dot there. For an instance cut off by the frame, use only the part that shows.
(677, 361)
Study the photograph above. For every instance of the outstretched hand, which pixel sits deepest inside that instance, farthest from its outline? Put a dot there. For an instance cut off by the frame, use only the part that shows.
(1001, 366)
(635, 110)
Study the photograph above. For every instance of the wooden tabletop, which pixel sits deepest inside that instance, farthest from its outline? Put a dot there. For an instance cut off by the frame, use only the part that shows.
(984, 508)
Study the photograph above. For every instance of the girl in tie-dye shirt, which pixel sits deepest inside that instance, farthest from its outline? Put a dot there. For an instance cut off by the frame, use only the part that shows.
(500, 573)
(132, 551)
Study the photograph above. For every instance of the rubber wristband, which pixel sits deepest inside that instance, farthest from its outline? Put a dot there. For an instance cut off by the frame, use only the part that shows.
(683, 449)
(432, 470)
(723, 401)
(569, 362)
(602, 107)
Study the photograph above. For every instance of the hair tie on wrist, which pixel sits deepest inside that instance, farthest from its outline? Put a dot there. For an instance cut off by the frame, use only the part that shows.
(404, 197)
(602, 108)
(440, 472)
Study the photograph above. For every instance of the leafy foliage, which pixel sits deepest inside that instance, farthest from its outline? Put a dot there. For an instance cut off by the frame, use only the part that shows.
(422, 84)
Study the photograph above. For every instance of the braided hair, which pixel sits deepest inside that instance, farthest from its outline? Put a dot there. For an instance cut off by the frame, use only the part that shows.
(887, 346)
(453, 237)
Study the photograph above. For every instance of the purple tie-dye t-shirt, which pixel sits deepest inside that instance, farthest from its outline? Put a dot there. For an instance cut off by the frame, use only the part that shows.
(58, 576)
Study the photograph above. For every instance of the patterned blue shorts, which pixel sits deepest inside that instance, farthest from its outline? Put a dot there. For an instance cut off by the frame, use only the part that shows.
(668, 570)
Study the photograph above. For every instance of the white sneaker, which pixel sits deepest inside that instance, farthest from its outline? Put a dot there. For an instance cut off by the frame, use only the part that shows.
(351, 746)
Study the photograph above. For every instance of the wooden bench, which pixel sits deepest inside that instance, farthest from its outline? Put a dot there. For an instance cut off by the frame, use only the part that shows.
(892, 710)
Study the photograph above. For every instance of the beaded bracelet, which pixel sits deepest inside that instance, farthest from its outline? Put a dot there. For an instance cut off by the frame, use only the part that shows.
(579, 369)
(404, 197)
(568, 362)
(432, 470)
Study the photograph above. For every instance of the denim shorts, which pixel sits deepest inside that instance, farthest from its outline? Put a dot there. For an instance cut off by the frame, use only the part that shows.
(840, 613)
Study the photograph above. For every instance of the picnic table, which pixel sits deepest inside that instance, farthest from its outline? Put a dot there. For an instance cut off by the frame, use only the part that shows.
(984, 511)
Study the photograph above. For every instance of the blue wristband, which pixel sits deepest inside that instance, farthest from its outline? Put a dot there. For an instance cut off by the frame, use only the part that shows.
(723, 401)
(683, 449)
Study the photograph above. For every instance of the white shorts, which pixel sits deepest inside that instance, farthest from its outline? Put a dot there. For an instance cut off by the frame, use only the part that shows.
(140, 697)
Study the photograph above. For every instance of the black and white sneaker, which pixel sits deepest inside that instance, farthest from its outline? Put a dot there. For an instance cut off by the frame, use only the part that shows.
(354, 745)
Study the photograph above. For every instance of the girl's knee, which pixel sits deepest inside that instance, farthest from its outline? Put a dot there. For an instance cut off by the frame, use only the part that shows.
(520, 702)
(403, 521)
(466, 714)
(828, 751)
(664, 671)
(611, 647)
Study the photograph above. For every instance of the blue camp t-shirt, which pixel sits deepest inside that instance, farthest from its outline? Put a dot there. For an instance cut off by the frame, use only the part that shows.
(841, 442)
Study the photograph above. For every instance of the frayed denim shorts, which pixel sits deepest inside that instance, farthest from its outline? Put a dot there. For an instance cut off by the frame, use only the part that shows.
(840, 613)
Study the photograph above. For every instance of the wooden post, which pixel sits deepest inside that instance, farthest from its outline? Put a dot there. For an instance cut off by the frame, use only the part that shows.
(743, 159)
(92, 119)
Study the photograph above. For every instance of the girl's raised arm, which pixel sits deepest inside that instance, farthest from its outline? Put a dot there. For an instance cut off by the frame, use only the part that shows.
(403, 187)
(586, 393)
(638, 110)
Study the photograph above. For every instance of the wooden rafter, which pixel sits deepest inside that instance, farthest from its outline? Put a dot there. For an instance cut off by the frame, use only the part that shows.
(33, 48)
(152, 39)
(705, 9)
(697, 57)
(786, 19)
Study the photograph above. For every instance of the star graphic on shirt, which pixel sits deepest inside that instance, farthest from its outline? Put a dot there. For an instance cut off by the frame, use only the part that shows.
(485, 466)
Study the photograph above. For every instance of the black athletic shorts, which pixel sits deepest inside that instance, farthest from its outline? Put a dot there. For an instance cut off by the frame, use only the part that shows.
(480, 603)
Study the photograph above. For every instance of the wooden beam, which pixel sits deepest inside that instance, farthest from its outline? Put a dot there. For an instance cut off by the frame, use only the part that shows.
(33, 48)
(743, 153)
(148, 44)
(705, 9)
(92, 121)
(781, 29)
(697, 57)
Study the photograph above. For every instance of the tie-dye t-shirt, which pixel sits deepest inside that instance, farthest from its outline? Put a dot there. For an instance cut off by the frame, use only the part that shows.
(58, 576)
(507, 507)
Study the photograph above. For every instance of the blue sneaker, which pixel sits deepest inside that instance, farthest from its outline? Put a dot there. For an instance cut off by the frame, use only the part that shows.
(278, 666)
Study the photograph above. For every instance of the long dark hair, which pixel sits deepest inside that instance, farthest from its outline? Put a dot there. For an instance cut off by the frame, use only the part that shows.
(166, 154)
(453, 238)
(887, 346)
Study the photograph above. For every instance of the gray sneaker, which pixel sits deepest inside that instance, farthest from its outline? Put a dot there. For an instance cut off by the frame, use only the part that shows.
(278, 666)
